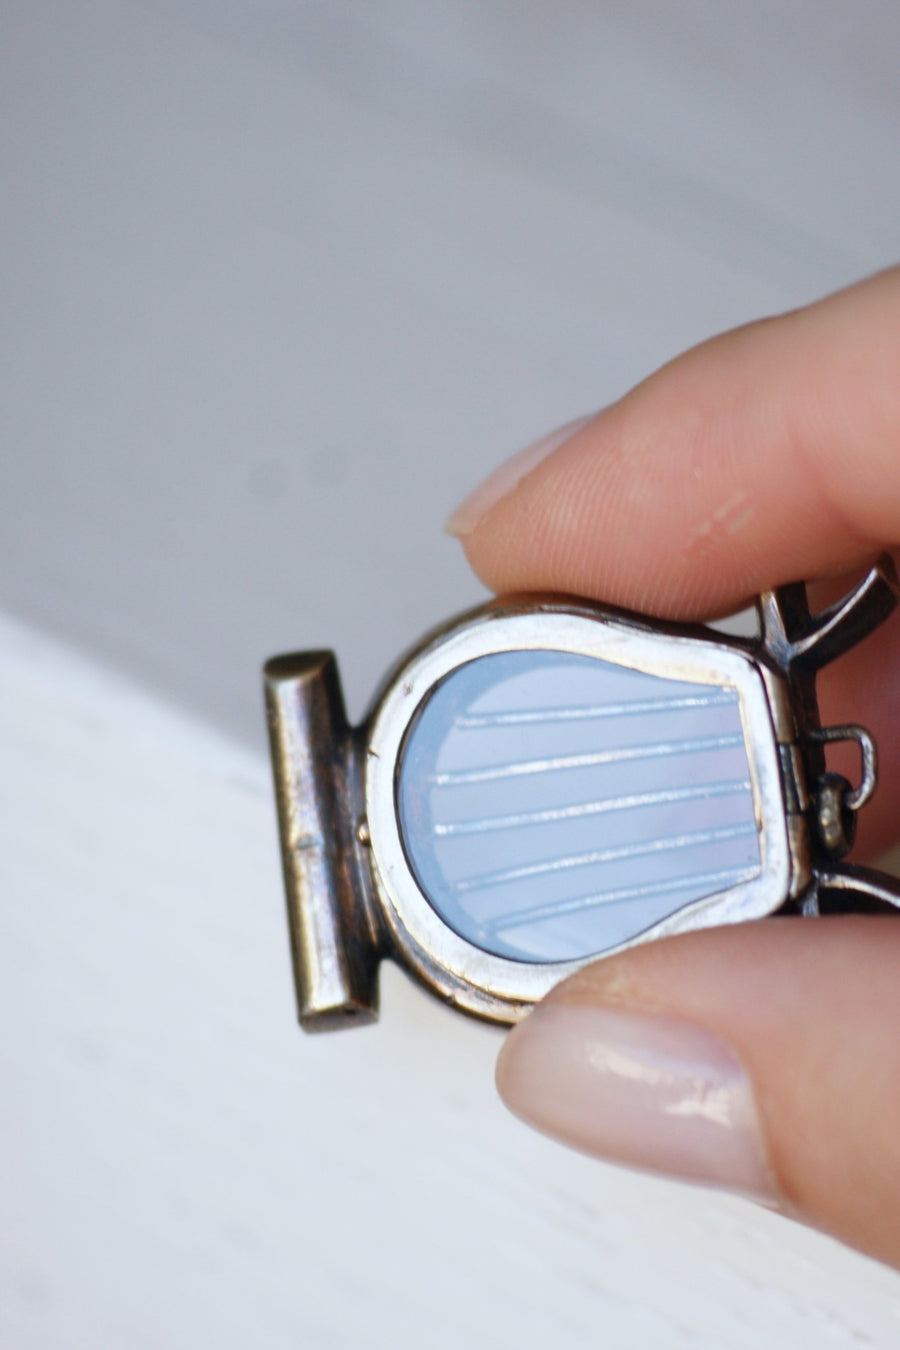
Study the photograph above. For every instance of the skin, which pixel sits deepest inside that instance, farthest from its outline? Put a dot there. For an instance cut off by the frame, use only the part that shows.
(768, 454)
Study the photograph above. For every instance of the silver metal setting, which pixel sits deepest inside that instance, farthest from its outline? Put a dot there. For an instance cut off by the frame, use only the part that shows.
(491, 985)
(353, 895)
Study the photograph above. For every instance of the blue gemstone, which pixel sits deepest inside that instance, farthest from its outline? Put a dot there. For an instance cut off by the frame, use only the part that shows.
(553, 806)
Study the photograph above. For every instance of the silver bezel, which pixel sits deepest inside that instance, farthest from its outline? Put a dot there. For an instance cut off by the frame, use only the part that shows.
(500, 988)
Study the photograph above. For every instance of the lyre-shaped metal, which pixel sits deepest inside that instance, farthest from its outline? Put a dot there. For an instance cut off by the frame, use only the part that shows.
(546, 780)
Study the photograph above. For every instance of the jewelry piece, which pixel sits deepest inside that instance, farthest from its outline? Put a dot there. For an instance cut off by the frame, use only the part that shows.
(546, 780)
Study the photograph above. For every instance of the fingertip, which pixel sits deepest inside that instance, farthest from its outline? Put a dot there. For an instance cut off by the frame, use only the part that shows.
(647, 1090)
(474, 509)
(760, 1058)
(761, 457)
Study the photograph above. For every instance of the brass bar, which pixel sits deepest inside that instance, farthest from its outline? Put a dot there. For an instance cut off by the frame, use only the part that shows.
(334, 954)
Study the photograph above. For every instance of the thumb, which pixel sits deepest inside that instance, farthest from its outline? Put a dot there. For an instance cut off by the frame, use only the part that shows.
(761, 1058)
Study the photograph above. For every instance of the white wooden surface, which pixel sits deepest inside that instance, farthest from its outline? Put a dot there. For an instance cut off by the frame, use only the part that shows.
(183, 1169)
(280, 281)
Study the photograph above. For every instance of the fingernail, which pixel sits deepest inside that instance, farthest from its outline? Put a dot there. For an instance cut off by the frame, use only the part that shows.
(640, 1089)
(507, 475)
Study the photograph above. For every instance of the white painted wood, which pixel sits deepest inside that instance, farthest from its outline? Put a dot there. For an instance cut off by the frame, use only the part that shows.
(180, 1166)
(280, 280)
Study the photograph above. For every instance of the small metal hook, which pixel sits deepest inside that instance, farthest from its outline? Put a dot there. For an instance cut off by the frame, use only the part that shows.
(858, 796)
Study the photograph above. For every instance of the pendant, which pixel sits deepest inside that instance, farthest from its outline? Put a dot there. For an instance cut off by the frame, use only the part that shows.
(545, 780)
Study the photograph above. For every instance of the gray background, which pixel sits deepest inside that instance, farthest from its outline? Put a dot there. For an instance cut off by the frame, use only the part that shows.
(281, 281)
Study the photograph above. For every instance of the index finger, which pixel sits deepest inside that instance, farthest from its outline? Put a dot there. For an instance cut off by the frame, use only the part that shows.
(766, 455)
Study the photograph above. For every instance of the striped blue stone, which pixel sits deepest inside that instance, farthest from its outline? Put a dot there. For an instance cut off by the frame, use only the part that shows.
(552, 806)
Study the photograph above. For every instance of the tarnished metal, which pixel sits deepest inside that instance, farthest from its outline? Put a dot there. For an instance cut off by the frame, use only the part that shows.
(333, 946)
(357, 880)
(855, 797)
(835, 820)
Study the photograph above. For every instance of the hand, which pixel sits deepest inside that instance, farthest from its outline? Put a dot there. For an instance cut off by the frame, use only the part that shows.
(764, 1058)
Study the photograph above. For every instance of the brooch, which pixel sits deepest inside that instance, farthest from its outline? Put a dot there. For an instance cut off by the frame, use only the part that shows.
(546, 780)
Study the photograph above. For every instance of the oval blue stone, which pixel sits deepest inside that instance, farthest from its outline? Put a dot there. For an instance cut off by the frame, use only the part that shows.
(552, 806)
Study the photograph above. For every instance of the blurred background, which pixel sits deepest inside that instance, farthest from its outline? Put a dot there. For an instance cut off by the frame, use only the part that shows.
(281, 280)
